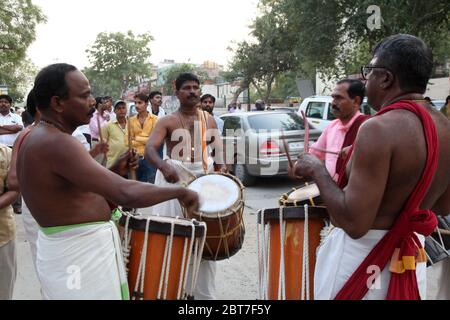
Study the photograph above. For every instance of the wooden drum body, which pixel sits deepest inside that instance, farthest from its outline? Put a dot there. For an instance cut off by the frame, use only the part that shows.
(222, 209)
(160, 252)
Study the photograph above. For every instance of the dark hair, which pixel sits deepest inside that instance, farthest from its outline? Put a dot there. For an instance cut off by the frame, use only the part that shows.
(107, 98)
(447, 99)
(98, 100)
(5, 96)
(31, 104)
(50, 82)
(356, 88)
(118, 103)
(27, 118)
(408, 58)
(206, 96)
(141, 96)
(153, 94)
(184, 77)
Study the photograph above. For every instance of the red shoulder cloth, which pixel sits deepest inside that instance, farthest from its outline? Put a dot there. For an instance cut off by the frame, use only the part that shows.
(349, 139)
(401, 243)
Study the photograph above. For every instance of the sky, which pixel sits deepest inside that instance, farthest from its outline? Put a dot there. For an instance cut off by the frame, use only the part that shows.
(185, 31)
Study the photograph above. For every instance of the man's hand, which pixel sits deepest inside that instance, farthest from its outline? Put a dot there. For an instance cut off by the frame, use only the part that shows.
(189, 200)
(224, 169)
(100, 148)
(307, 166)
(344, 152)
(128, 160)
(169, 173)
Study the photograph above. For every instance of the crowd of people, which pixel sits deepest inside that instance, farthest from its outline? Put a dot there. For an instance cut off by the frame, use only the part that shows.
(80, 158)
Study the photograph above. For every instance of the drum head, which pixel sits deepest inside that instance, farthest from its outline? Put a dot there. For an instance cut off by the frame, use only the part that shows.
(304, 193)
(217, 192)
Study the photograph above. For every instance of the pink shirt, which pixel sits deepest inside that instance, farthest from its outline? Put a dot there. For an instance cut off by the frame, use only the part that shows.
(93, 125)
(332, 139)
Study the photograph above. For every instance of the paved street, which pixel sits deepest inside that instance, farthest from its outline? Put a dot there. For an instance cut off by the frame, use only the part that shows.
(236, 277)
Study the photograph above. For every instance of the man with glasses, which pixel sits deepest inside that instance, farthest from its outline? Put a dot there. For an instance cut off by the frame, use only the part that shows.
(398, 179)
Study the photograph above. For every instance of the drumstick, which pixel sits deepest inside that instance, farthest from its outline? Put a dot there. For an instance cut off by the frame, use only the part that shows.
(101, 138)
(286, 148)
(323, 150)
(305, 121)
(443, 231)
(132, 173)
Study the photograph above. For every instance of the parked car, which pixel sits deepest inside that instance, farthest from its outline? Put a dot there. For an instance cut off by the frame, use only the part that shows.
(438, 104)
(253, 141)
(286, 109)
(319, 113)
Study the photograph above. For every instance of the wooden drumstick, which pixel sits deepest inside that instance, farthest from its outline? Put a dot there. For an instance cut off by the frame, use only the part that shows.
(305, 121)
(101, 138)
(132, 173)
(324, 151)
(286, 148)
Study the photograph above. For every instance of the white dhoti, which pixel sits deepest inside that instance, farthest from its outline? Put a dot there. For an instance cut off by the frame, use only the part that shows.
(81, 263)
(31, 230)
(206, 287)
(438, 280)
(340, 255)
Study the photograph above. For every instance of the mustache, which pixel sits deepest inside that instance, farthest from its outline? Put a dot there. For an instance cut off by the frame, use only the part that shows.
(91, 112)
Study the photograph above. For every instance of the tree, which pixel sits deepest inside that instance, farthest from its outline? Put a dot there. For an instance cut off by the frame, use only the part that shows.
(336, 37)
(18, 21)
(260, 62)
(172, 73)
(118, 61)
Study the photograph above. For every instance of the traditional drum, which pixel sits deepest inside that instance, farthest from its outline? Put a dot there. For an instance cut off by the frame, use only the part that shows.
(288, 238)
(437, 246)
(162, 256)
(221, 208)
(308, 193)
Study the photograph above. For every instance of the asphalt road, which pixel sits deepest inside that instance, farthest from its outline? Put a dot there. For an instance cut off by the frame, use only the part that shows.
(236, 277)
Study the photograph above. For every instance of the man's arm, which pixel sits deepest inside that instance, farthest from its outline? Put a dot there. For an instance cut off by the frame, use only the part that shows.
(88, 175)
(354, 209)
(10, 129)
(213, 135)
(8, 198)
(151, 153)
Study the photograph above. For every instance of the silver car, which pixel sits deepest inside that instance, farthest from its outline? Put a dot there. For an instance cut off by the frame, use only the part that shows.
(254, 142)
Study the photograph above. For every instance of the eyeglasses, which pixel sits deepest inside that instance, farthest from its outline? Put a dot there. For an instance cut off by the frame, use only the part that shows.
(366, 70)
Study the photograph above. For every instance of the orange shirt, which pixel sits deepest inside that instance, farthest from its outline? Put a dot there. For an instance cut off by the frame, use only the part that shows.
(140, 134)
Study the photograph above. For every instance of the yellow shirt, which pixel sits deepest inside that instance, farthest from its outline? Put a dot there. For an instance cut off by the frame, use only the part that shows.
(7, 222)
(114, 135)
(140, 135)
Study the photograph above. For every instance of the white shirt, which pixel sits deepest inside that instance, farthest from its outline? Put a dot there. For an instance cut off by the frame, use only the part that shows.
(79, 135)
(161, 111)
(8, 120)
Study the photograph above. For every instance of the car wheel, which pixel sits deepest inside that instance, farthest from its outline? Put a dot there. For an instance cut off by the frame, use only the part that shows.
(240, 171)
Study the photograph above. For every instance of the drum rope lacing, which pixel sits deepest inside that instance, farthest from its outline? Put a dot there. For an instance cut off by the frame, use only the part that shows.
(282, 276)
(142, 264)
(126, 247)
(262, 256)
(305, 271)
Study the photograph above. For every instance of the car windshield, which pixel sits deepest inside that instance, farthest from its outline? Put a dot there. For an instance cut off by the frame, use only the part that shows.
(276, 121)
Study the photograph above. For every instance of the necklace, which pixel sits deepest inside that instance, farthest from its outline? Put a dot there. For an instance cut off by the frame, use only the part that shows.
(51, 124)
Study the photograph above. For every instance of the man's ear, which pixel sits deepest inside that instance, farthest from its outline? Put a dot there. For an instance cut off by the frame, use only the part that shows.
(388, 80)
(56, 103)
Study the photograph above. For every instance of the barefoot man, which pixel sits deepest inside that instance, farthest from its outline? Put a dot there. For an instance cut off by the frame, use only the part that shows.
(186, 133)
(68, 193)
(398, 179)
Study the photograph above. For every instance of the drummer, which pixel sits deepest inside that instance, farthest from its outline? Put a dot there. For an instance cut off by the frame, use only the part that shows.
(394, 165)
(348, 95)
(68, 194)
(188, 154)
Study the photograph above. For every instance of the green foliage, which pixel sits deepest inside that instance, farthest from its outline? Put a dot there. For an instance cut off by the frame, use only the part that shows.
(118, 61)
(18, 21)
(172, 73)
(334, 37)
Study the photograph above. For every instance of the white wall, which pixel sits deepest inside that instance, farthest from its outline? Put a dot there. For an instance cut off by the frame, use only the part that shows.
(438, 88)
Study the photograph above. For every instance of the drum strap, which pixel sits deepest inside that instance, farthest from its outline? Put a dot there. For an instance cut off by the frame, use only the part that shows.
(203, 126)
